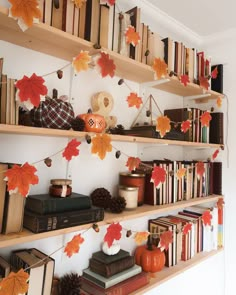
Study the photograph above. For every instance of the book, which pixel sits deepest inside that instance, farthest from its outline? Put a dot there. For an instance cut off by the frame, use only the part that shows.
(113, 280)
(3, 186)
(216, 131)
(100, 256)
(168, 53)
(44, 203)
(3, 98)
(4, 268)
(108, 270)
(123, 288)
(94, 31)
(103, 25)
(215, 178)
(217, 83)
(38, 223)
(82, 20)
(57, 14)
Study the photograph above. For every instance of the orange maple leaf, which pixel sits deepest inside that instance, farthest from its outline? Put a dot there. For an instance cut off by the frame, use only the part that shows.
(81, 61)
(163, 125)
(181, 172)
(134, 100)
(206, 217)
(219, 102)
(141, 237)
(185, 126)
(220, 203)
(214, 73)
(158, 176)
(73, 246)
(71, 149)
(106, 65)
(215, 154)
(200, 169)
(15, 283)
(184, 79)
(160, 68)
(27, 10)
(204, 82)
(166, 239)
(205, 119)
(132, 37)
(113, 233)
(101, 144)
(133, 163)
(79, 3)
(187, 227)
(20, 177)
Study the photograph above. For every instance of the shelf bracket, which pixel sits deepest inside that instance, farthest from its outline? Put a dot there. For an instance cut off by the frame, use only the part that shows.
(154, 83)
(198, 96)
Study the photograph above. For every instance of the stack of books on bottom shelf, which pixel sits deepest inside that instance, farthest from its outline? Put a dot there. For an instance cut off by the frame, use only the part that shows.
(45, 213)
(113, 274)
(39, 266)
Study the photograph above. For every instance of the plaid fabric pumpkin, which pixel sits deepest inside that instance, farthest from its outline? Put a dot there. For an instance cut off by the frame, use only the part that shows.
(53, 113)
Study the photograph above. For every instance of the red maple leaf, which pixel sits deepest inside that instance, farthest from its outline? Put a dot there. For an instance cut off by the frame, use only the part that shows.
(132, 37)
(184, 79)
(73, 246)
(214, 73)
(109, 2)
(133, 163)
(134, 100)
(185, 126)
(20, 178)
(113, 233)
(107, 66)
(204, 82)
(187, 227)
(31, 89)
(205, 119)
(166, 239)
(71, 149)
(200, 169)
(215, 154)
(158, 175)
(206, 217)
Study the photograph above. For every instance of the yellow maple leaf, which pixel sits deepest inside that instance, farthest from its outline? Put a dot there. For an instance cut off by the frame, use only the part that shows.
(219, 102)
(79, 3)
(101, 144)
(160, 68)
(163, 125)
(141, 237)
(180, 173)
(132, 37)
(15, 283)
(27, 10)
(81, 61)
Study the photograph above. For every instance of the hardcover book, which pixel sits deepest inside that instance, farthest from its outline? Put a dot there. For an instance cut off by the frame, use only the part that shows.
(4, 268)
(44, 203)
(3, 186)
(100, 256)
(217, 83)
(38, 223)
(216, 132)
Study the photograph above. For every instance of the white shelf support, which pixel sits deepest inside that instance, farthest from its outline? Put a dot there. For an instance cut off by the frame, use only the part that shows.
(154, 83)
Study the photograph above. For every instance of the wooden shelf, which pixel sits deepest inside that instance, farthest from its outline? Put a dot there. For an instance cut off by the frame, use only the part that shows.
(25, 130)
(170, 272)
(27, 236)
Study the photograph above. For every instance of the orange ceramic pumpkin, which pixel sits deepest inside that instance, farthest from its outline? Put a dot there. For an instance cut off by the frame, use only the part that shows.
(151, 258)
(93, 122)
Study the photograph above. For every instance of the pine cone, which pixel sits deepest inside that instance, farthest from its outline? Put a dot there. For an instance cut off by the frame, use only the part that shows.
(117, 204)
(78, 124)
(70, 284)
(101, 197)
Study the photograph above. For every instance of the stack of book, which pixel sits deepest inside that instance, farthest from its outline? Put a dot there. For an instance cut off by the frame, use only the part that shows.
(45, 213)
(113, 274)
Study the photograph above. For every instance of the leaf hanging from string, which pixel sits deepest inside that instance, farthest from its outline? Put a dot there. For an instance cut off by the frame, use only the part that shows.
(73, 246)
(204, 82)
(79, 3)
(133, 163)
(71, 149)
(205, 119)
(184, 79)
(187, 228)
(214, 73)
(206, 217)
(163, 125)
(15, 283)
(219, 102)
(181, 173)
(113, 233)
(215, 154)
(166, 239)
(101, 144)
(134, 100)
(132, 37)
(141, 237)
(185, 126)
(81, 61)
(158, 176)
(106, 65)
(160, 68)
(200, 169)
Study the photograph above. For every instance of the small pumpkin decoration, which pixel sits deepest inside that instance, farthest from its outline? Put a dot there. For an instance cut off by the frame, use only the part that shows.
(93, 122)
(151, 258)
(112, 250)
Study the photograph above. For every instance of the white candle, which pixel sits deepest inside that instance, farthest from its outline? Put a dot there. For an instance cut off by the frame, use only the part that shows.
(130, 193)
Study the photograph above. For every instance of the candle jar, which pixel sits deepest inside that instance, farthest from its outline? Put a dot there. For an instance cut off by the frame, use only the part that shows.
(132, 179)
(130, 193)
(60, 188)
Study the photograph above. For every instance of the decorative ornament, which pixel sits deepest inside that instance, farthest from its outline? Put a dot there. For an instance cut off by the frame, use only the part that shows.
(101, 144)
(71, 149)
(128, 233)
(96, 227)
(113, 233)
(166, 239)
(121, 81)
(205, 119)
(106, 65)
(31, 90)
(184, 79)
(185, 126)
(78, 124)
(207, 217)
(200, 169)
(15, 283)
(79, 3)
(134, 100)
(73, 246)
(117, 204)
(141, 237)
(214, 73)
(187, 228)
(81, 61)
(215, 154)
(160, 68)
(163, 125)
(118, 154)
(158, 176)
(204, 83)
(219, 102)
(112, 250)
(132, 37)
(133, 163)
(109, 2)
(48, 162)
(70, 284)
(181, 173)
(60, 74)
(220, 203)
(101, 197)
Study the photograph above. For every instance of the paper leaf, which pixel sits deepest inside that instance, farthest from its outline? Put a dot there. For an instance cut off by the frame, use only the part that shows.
(71, 149)
(185, 126)
(181, 173)
(163, 125)
(141, 237)
(187, 227)
(204, 83)
(200, 169)
(113, 233)
(106, 65)
(20, 177)
(166, 239)
(158, 176)
(184, 79)
(101, 144)
(30, 89)
(25, 10)
(134, 100)
(206, 217)
(15, 283)
(109, 2)
(81, 61)
(219, 102)
(220, 203)
(160, 68)
(205, 119)
(215, 154)
(132, 37)
(73, 246)
(79, 3)
(214, 73)
(133, 163)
